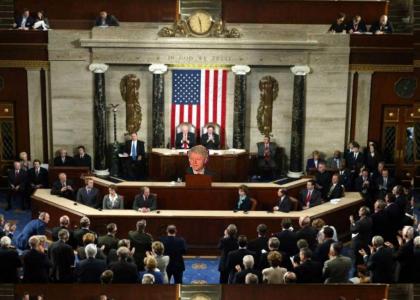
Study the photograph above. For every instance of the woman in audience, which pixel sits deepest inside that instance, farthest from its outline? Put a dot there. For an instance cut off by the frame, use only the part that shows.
(274, 274)
(162, 260)
(372, 157)
(41, 21)
(244, 202)
(113, 200)
(150, 265)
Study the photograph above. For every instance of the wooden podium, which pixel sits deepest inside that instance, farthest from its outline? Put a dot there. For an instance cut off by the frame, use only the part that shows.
(197, 181)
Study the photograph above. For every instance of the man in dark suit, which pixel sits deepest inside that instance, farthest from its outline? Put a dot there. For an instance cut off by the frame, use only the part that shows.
(380, 220)
(82, 230)
(235, 257)
(82, 159)
(405, 255)
(384, 184)
(335, 190)
(106, 20)
(228, 243)
(309, 270)
(210, 139)
(62, 258)
(361, 231)
(284, 202)
(175, 248)
(355, 160)
(63, 187)
(380, 262)
(89, 195)
(346, 179)
(365, 186)
(135, 157)
(357, 25)
(141, 241)
(36, 265)
(260, 244)
(307, 232)
(322, 179)
(323, 249)
(17, 185)
(24, 21)
(124, 270)
(64, 223)
(287, 238)
(197, 158)
(9, 261)
(90, 269)
(109, 241)
(37, 176)
(144, 201)
(248, 263)
(393, 212)
(185, 139)
(382, 26)
(63, 160)
(310, 197)
(267, 157)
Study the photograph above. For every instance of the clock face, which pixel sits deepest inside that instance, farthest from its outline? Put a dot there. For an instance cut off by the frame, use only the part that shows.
(406, 87)
(200, 22)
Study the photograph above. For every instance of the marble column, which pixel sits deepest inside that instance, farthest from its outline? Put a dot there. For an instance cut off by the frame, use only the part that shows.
(158, 105)
(298, 122)
(99, 112)
(239, 108)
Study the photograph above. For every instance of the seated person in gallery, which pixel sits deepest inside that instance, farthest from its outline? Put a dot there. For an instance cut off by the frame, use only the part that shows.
(210, 139)
(41, 21)
(112, 200)
(312, 163)
(197, 158)
(63, 187)
(357, 25)
(144, 202)
(382, 26)
(284, 204)
(244, 201)
(135, 157)
(185, 139)
(37, 176)
(63, 160)
(88, 195)
(336, 161)
(310, 197)
(338, 26)
(106, 20)
(24, 21)
(266, 155)
(335, 190)
(82, 159)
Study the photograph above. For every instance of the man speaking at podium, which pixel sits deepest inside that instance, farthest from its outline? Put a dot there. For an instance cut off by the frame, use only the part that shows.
(198, 157)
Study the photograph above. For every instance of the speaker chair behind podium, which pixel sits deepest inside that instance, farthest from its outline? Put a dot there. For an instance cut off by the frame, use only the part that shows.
(191, 129)
(217, 130)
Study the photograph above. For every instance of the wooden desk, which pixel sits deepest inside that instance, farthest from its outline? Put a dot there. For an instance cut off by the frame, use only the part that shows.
(201, 229)
(221, 196)
(228, 165)
(73, 173)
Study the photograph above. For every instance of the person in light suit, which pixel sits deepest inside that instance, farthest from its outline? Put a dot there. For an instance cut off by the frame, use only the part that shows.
(337, 268)
(112, 200)
(88, 195)
(336, 161)
(210, 139)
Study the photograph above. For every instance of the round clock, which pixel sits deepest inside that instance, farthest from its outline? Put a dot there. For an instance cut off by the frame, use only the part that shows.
(200, 22)
(405, 87)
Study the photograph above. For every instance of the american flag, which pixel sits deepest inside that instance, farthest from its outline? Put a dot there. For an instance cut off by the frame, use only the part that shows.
(199, 97)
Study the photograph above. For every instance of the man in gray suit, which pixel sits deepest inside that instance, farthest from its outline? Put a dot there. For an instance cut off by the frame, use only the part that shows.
(88, 195)
(266, 156)
(337, 268)
(336, 161)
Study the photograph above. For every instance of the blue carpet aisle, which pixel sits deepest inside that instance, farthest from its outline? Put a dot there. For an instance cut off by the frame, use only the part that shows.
(17, 216)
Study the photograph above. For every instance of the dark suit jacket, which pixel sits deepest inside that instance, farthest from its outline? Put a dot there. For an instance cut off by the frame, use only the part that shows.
(361, 27)
(257, 245)
(309, 271)
(390, 183)
(381, 265)
(57, 186)
(288, 241)
(41, 178)
(62, 258)
(21, 179)
(9, 262)
(405, 256)
(140, 202)
(109, 241)
(226, 244)
(354, 164)
(79, 233)
(336, 192)
(142, 242)
(235, 258)
(245, 205)
(68, 162)
(207, 172)
(86, 161)
(310, 164)
(124, 272)
(363, 228)
(178, 140)
(91, 200)
(89, 270)
(309, 234)
(322, 251)
(324, 180)
(261, 147)
(394, 215)
(381, 224)
(388, 28)
(56, 230)
(210, 145)
(364, 190)
(29, 21)
(315, 198)
(110, 20)
(285, 205)
(36, 267)
(175, 248)
(139, 149)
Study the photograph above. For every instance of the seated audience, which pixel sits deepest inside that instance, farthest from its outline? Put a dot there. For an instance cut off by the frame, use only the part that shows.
(25, 163)
(175, 248)
(17, 185)
(141, 241)
(310, 197)
(337, 268)
(382, 26)
(162, 260)
(210, 139)
(82, 159)
(144, 202)
(235, 257)
(336, 161)
(62, 258)
(197, 158)
(312, 163)
(322, 179)
(150, 264)
(308, 270)
(357, 25)
(259, 244)
(274, 274)
(244, 201)
(185, 139)
(335, 190)
(41, 21)
(267, 157)
(36, 265)
(241, 273)
(124, 270)
(284, 202)
(82, 230)
(24, 21)
(89, 195)
(227, 243)
(109, 241)
(64, 223)
(9, 261)
(338, 26)
(37, 176)
(104, 19)
(33, 227)
(90, 270)
(112, 200)
(63, 160)
(63, 187)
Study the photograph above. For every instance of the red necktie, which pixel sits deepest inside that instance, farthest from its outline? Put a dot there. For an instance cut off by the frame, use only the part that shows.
(308, 197)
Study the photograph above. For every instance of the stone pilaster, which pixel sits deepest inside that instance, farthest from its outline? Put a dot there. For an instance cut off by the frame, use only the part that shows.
(158, 105)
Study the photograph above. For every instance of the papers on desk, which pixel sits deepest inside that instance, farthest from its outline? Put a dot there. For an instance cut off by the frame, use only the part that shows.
(122, 155)
(335, 201)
